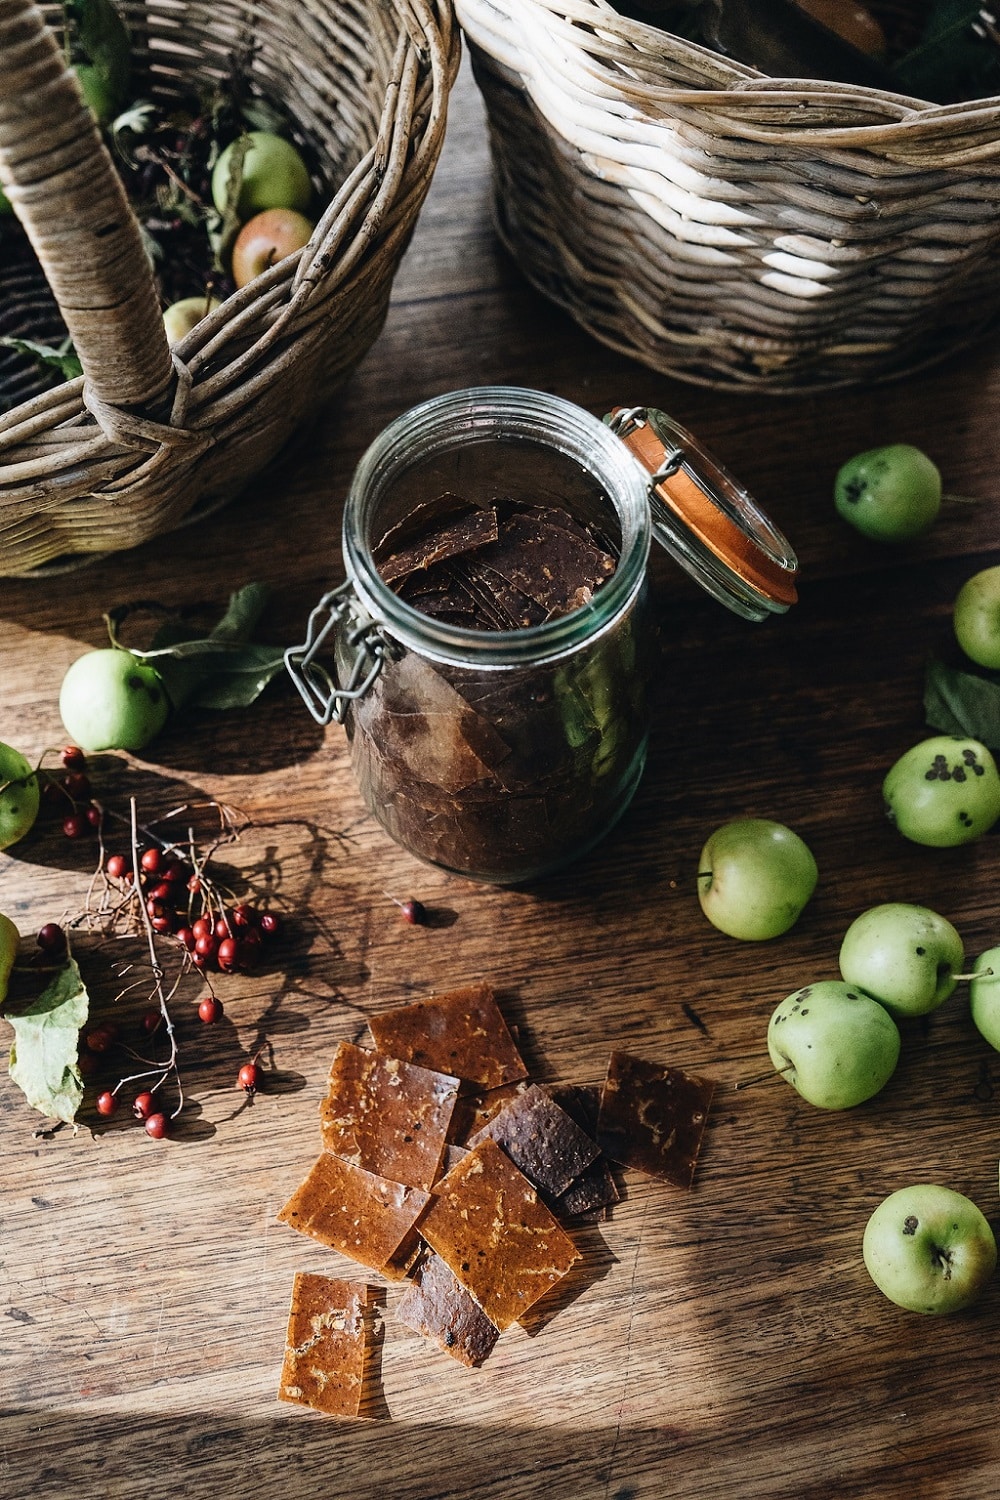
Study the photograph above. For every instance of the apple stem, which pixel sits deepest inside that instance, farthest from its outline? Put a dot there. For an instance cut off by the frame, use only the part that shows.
(962, 499)
(749, 1083)
(979, 974)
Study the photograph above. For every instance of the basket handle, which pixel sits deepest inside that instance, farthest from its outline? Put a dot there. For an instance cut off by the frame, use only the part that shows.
(62, 185)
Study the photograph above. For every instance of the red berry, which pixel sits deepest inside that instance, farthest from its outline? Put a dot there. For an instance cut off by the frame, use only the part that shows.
(203, 928)
(194, 885)
(76, 785)
(185, 936)
(75, 826)
(87, 1064)
(51, 938)
(102, 1038)
(116, 866)
(414, 912)
(242, 915)
(73, 758)
(210, 1010)
(151, 861)
(205, 947)
(248, 1078)
(248, 946)
(174, 870)
(152, 1020)
(228, 954)
(161, 892)
(106, 1104)
(157, 1126)
(164, 922)
(94, 816)
(269, 923)
(222, 928)
(143, 1105)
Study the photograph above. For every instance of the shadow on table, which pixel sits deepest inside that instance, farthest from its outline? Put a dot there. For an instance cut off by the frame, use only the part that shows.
(301, 1456)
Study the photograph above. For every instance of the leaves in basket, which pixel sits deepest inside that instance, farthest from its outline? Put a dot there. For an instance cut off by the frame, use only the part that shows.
(102, 54)
(963, 703)
(63, 359)
(955, 59)
(43, 1054)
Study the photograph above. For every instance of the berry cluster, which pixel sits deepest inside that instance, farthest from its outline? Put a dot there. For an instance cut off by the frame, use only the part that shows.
(182, 903)
(165, 892)
(69, 793)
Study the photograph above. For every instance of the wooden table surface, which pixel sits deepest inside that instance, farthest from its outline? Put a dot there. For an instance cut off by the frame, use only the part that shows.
(721, 1342)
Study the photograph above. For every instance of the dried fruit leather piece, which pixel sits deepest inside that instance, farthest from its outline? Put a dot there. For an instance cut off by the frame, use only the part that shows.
(471, 531)
(388, 1116)
(595, 1188)
(495, 1235)
(541, 1140)
(461, 1032)
(653, 1117)
(437, 1306)
(364, 1216)
(326, 1346)
(476, 1107)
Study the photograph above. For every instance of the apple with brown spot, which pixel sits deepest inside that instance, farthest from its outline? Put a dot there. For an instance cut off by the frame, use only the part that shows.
(267, 238)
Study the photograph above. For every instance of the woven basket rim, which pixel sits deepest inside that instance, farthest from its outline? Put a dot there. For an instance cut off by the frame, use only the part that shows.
(639, 58)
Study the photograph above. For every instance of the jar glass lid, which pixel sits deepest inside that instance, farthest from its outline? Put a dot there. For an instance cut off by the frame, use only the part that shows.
(705, 519)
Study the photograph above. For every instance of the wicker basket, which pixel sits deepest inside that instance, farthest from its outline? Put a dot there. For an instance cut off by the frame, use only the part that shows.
(730, 229)
(150, 436)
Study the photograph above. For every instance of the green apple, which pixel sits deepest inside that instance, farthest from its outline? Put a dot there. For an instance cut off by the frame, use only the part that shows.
(889, 494)
(274, 175)
(833, 1043)
(984, 996)
(907, 957)
(19, 796)
(943, 792)
(110, 700)
(181, 316)
(9, 941)
(929, 1249)
(976, 618)
(754, 878)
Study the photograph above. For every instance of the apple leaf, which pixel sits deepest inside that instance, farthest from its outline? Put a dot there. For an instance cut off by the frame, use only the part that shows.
(224, 669)
(43, 1055)
(963, 703)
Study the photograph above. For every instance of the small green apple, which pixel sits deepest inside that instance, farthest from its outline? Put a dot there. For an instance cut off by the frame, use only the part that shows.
(274, 175)
(833, 1043)
(929, 1249)
(110, 700)
(19, 796)
(754, 878)
(9, 941)
(181, 316)
(984, 996)
(943, 792)
(889, 494)
(907, 957)
(976, 618)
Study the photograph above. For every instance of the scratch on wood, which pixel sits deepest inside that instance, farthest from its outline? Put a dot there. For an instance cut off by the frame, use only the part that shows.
(628, 1350)
(695, 1019)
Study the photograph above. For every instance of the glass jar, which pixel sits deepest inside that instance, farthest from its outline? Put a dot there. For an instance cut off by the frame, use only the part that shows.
(502, 754)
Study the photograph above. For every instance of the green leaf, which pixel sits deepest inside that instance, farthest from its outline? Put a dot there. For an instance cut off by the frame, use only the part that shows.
(241, 677)
(223, 669)
(62, 358)
(963, 703)
(43, 1055)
